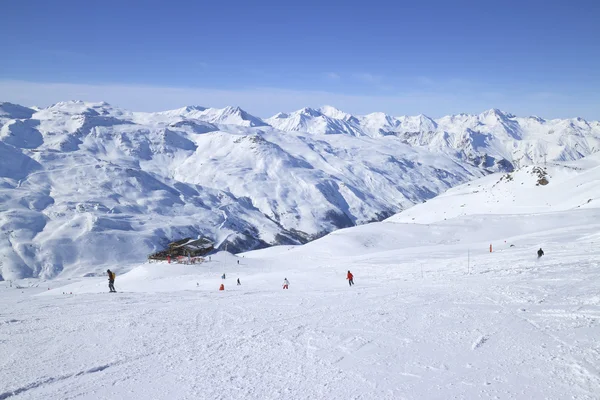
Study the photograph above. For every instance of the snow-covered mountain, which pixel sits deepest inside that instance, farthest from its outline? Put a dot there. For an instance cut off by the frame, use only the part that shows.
(326, 121)
(9, 111)
(227, 116)
(493, 139)
(86, 185)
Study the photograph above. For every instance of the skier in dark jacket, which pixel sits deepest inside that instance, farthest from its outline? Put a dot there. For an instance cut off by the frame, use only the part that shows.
(111, 280)
(540, 252)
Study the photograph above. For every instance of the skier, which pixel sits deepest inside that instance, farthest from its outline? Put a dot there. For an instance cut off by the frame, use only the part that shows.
(222, 287)
(223, 276)
(238, 282)
(350, 278)
(111, 280)
(540, 252)
(286, 284)
(238, 262)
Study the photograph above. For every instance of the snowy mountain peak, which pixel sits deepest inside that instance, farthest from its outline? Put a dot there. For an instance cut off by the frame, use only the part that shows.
(309, 111)
(78, 108)
(426, 123)
(492, 111)
(377, 115)
(280, 115)
(76, 105)
(496, 113)
(236, 116)
(334, 113)
(229, 115)
(189, 109)
(15, 111)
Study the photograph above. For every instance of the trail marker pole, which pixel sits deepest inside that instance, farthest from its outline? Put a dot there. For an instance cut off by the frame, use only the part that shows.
(468, 262)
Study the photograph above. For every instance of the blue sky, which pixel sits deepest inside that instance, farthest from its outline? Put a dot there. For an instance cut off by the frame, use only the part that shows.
(430, 57)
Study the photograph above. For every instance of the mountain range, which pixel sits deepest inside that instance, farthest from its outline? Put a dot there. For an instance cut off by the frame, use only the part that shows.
(87, 185)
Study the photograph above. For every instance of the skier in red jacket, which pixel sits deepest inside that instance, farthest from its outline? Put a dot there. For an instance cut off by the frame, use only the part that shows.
(350, 278)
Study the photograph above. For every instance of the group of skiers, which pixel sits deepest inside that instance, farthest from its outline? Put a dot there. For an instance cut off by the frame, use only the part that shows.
(286, 283)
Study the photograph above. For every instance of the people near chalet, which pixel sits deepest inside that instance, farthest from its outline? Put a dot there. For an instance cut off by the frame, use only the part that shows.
(286, 284)
(350, 278)
(111, 280)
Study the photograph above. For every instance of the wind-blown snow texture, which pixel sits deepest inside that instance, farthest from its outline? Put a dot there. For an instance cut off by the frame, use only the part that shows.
(86, 185)
(433, 314)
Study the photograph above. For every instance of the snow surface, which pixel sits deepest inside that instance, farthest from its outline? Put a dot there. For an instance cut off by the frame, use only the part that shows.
(570, 186)
(433, 314)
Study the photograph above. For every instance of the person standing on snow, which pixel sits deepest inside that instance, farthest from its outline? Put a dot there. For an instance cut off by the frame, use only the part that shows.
(111, 280)
(350, 278)
(540, 252)
(238, 282)
(286, 284)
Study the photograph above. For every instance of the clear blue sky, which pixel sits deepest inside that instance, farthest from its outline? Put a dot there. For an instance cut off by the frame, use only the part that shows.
(401, 57)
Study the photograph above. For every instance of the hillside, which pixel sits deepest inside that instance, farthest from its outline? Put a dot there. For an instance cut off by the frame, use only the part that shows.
(530, 190)
(87, 185)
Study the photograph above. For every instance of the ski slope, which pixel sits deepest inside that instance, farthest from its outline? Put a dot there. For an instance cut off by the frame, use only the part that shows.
(433, 314)
(571, 186)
